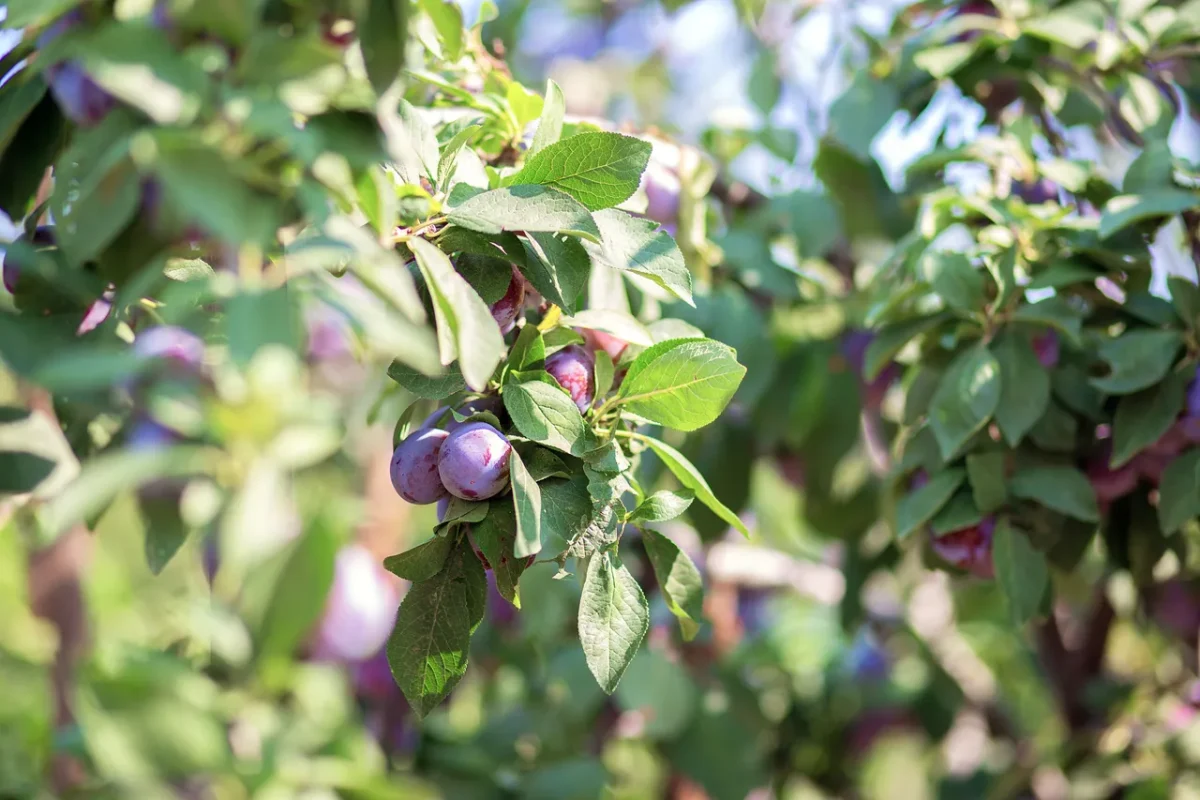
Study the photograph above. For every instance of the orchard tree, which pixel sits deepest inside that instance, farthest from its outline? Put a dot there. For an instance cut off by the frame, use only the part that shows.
(252, 233)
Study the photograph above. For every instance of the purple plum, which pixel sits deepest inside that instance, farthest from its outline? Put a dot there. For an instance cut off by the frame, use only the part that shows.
(42, 237)
(443, 506)
(662, 194)
(599, 340)
(360, 609)
(573, 367)
(969, 549)
(80, 98)
(373, 678)
(173, 344)
(854, 349)
(1046, 346)
(506, 310)
(415, 466)
(473, 463)
(1036, 193)
(1110, 484)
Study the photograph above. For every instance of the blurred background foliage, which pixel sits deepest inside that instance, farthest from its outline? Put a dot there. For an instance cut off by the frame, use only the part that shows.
(808, 143)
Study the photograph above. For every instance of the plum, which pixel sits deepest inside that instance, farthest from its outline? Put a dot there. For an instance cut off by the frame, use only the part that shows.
(1046, 347)
(443, 506)
(662, 194)
(373, 679)
(81, 99)
(854, 349)
(1037, 192)
(506, 310)
(1108, 483)
(573, 367)
(172, 344)
(415, 466)
(360, 609)
(969, 549)
(473, 462)
(96, 314)
(599, 340)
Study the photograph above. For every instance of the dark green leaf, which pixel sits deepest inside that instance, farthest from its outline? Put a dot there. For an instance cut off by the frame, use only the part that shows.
(435, 388)
(300, 593)
(496, 536)
(383, 33)
(557, 266)
(1053, 311)
(986, 474)
(22, 472)
(165, 529)
(690, 477)
(861, 112)
(421, 562)
(680, 581)
(1179, 492)
(1127, 209)
(955, 279)
(613, 619)
(1021, 571)
(965, 399)
(1059, 488)
(1143, 417)
(959, 512)
(918, 507)
(891, 339)
(1137, 359)
(525, 208)
(543, 412)
(1024, 386)
(662, 506)
(527, 502)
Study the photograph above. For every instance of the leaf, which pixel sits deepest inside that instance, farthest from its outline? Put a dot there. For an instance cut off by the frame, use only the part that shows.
(604, 374)
(1075, 24)
(546, 414)
(527, 501)
(861, 111)
(299, 596)
(421, 562)
(429, 646)
(1185, 297)
(1144, 417)
(955, 279)
(690, 477)
(21, 13)
(613, 619)
(1059, 488)
(918, 507)
(451, 150)
(165, 529)
(430, 388)
(635, 245)
(1024, 387)
(496, 536)
(465, 325)
(557, 266)
(23, 163)
(448, 21)
(662, 506)
(1053, 311)
(1179, 492)
(680, 581)
(599, 169)
(618, 323)
(1137, 359)
(525, 208)
(1124, 210)
(959, 512)
(18, 99)
(682, 383)
(1021, 571)
(891, 339)
(383, 33)
(566, 512)
(411, 142)
(965, 399)
(21, 473)
(942, 62)
(549, 128)
(986, 474)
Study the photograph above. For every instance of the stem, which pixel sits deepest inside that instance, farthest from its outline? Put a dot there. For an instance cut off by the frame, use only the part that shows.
(420, 229)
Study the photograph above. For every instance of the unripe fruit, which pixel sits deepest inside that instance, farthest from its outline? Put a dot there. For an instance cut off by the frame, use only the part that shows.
(573, 368)
(360, 609)
(473, 462)
(415, 466)
(969, 549)
(506, 310)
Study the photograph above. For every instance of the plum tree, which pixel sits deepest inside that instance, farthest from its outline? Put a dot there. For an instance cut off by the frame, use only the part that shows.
(573, 367)
(506, 310)
(414, 468)
(473, 462)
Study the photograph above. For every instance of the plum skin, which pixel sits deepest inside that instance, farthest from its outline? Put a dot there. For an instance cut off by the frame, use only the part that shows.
(599, 340)
(414, 468)
(473, 463)
(360, 610)
(573, 369)
(506, 310)
(969, 549)
(171, 343)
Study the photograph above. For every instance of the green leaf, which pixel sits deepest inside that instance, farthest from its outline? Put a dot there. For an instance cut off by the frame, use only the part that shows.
(613, 619)
(466, 329)
(1143, 417)
(451, 150)
(448, 22)
(36, 145)
(525, 208)
(1179, 492)
(411, 143)
(566, 512)
(1024, 387)
(527, 501)
(383, 33)
(861, 111)
(203, 184)
(682, 383)
(618, 323)
(1060, 488)
(635, 245)
(1075, 24)
(965, 400)
(1021, 571)
(18, 99)
(21, 473)
(35, 12)
(1185, 297)
(986, 474)
(299, 597)
(955, 279)
(604, 374)
(918, 507)
(1137, 360)
(662, 506)
(430, 388)
(542, 463)
(543, 412)
(690, 477)
(1053, 311)
(942, 62)
(557, 266)
(496, 537)
(165, 529)
(549, 128)
(376, 195)
(599, 169)
(1124, 210)
(680, 581)
(1063, 273)
(429, 646)
(421, 562)
(525, 105)
(891, 339)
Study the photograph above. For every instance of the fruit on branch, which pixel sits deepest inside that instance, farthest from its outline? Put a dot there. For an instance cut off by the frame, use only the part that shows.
(1040, 191)
(506, 310)
(414, 466)
(178, 347)
(80, 98)
(1110, 484)
(360, 609)
(473, 462)
(599, 340)
(573, 368)
(1047, 349)
(969, 549)
(448, 423)
(662, 188)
